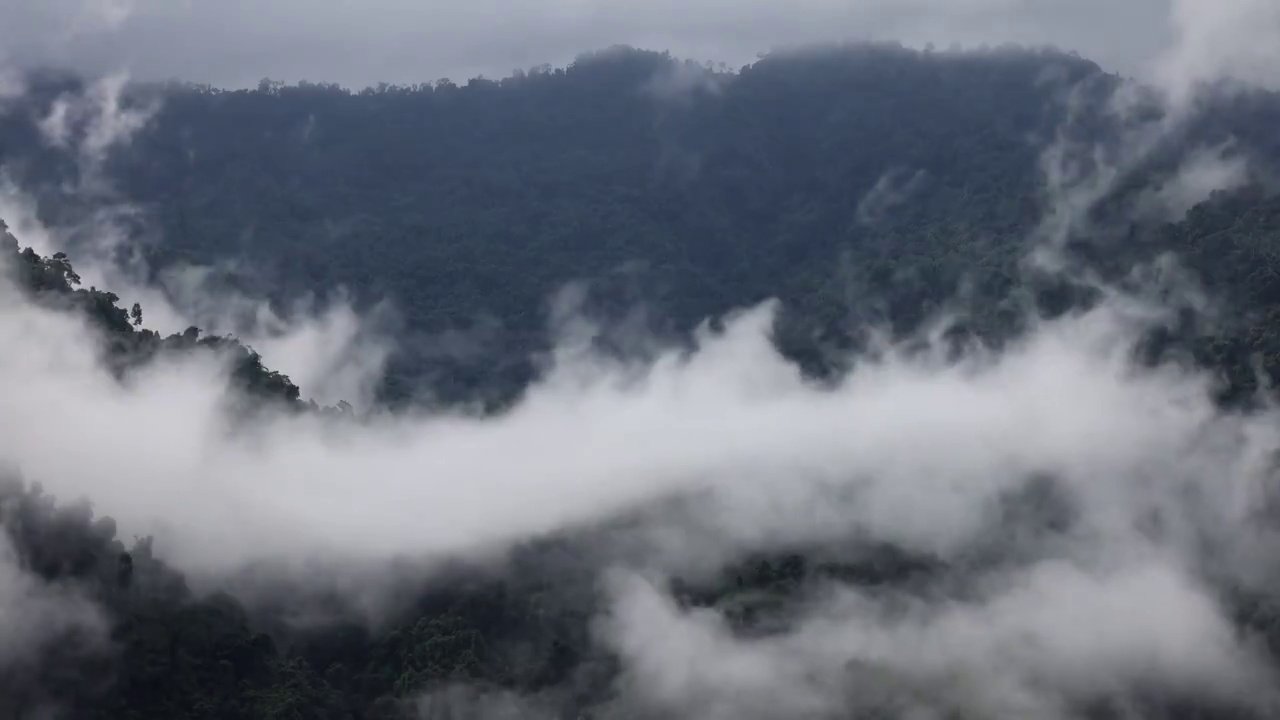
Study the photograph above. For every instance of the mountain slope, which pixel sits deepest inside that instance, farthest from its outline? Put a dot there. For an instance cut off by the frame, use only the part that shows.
(861, 185)
(856, 184)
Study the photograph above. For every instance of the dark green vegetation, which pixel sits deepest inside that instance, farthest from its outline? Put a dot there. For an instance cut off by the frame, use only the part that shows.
(174, 653)
(670, 188)
(53, 283)
(865, 185)
(690, 192)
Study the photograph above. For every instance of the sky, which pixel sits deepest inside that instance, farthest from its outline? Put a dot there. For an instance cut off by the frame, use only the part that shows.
(363, 42)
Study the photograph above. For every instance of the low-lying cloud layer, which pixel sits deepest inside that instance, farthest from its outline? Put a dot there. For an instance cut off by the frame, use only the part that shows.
(1165, 498)
(734, 418)
(1051, 640)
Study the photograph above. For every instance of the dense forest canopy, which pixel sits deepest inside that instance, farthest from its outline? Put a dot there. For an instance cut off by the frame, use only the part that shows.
(868, 188)
(684, 190)
(690, 191)
(862, 184)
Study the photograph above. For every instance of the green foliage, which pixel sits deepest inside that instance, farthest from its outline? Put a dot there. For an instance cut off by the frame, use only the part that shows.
(687, 190)
(53, 282)
(692, 191)
(861, 185)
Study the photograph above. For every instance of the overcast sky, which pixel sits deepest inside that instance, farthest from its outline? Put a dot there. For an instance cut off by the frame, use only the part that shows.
(360, 42)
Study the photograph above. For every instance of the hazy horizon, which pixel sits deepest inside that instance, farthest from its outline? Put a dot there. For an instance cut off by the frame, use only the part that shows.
(236, 44)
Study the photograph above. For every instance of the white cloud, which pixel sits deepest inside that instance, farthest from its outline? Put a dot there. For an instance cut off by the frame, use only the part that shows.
(892, 189)
(92, 123)
(237, 42)
(12, 86)
(1239, 39)
(733, 419)
(1203, 172)
(322, 344)
(909, 450)
(1041, 643)
(34, 614)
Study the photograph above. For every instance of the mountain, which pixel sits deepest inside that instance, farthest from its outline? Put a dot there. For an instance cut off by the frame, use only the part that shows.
(864, 186)
(473, 630)
(861, 184)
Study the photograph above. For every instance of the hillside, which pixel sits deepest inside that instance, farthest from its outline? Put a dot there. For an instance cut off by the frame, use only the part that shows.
(684, 191)
(866, 187)
(517, 638)
(860, 185)
(469, 632)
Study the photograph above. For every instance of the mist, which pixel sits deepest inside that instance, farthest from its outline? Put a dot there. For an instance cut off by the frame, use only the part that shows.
(708, 453)
(238, 43)
(1166, 494)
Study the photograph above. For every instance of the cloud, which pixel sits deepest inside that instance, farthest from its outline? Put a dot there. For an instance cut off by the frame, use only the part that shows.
(1118, 604)
(923, 451)
(680, 82)
(236, 43)
(1238, 39)
(1203, 172)
(239, 42)
(105, 122)
(44, 628)
(12, 86)
(464, 701)
(36, 613)
(1147, 126)
(597, 439)
(1045, 643)
(91, 123)
(322, 343)
(892, 189)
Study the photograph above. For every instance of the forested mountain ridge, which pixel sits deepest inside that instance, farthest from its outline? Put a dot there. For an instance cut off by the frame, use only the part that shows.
(867, 184)
(861, 186)
(470, 641)
(464, 636)
(53, 283)
(687, 190)
(171, 652)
